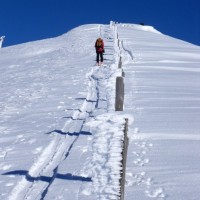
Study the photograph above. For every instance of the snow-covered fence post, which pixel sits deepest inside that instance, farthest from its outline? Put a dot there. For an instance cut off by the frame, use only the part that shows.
(124, 157)
(120, 63)
(119, 100)
(116, 43)
(112, 24)
(1, 41)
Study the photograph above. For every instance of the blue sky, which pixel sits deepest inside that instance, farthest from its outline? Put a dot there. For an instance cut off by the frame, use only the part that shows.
(29, 20)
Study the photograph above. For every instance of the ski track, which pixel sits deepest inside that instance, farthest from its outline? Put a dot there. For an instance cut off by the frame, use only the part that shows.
(39, 178)
(98, 173)
(55, 152)
(107, 140)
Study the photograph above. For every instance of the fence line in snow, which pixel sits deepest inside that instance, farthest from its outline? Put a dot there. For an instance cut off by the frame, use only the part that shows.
(119, 105)
(119, 97)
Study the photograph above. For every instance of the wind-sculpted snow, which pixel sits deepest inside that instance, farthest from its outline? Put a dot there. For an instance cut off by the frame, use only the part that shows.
(60, 137)
(162, 91)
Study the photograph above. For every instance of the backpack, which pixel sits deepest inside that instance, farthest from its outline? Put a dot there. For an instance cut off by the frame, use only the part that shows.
(99, 43)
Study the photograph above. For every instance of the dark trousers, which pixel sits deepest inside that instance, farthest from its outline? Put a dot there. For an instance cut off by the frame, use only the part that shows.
(99, 54)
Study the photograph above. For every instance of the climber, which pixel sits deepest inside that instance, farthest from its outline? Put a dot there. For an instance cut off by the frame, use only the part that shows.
(99, 45)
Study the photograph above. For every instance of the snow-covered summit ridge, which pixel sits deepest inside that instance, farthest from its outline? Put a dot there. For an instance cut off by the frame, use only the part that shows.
(140, 27)
(81, 28)
(59, 133)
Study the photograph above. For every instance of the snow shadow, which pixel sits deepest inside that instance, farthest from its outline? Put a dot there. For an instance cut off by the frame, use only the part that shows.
(70, 117)
(73, 109)
(70, 134)
(47, 179)
(90, 101)
(80, 98)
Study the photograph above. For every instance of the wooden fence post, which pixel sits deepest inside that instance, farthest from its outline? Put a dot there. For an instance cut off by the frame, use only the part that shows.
(124, 157)
(119, 99)
(120, 63)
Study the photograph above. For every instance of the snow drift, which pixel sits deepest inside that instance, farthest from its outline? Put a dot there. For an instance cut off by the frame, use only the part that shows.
(60, 136)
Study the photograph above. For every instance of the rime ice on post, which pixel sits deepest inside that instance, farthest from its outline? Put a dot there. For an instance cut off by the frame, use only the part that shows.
(1, 40)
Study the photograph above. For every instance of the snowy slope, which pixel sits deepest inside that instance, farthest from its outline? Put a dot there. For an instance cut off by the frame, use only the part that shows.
(163, 94)
(60, 137)
(50, 89)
